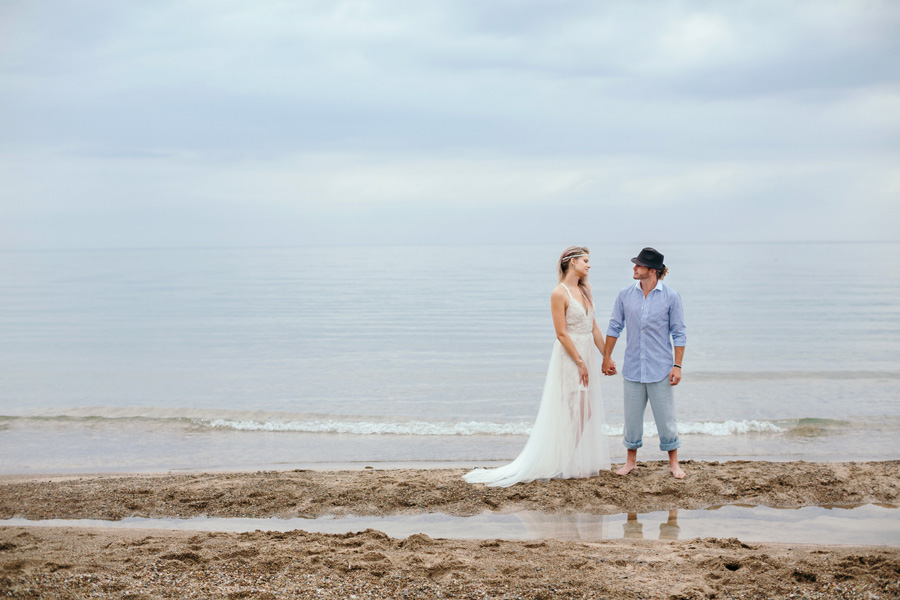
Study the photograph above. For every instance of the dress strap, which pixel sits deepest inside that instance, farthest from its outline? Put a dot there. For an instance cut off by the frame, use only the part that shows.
(565, 287)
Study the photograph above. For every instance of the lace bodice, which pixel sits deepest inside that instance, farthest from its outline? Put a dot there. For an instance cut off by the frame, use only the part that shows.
(579, 321)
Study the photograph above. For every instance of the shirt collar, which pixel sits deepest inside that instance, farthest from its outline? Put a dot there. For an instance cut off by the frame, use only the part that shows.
(659, 286)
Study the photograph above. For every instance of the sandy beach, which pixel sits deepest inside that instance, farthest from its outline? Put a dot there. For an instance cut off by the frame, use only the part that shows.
(107, 563)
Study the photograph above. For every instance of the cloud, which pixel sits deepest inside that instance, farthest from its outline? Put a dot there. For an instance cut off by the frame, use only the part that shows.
(444, 121)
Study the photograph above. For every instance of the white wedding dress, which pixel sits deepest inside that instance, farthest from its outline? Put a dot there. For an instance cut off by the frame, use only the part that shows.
(567, 440)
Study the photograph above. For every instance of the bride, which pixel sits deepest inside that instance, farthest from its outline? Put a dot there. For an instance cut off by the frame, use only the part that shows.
(567, 440)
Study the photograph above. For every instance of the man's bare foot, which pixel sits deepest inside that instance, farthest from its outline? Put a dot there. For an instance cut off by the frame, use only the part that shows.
(677, 473)
(628, 468)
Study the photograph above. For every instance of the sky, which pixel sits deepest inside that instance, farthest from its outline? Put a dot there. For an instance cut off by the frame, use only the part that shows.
(197, 123)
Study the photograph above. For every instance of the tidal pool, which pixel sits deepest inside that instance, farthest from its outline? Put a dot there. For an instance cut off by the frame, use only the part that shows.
(869, 524)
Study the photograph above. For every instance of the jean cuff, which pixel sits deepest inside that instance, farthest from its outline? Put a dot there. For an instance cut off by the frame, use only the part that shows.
(670, 446)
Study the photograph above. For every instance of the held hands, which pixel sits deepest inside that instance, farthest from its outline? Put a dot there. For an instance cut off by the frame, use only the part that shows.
(609, 366)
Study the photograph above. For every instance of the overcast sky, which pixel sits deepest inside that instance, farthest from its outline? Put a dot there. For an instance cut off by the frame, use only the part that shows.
(217, 122)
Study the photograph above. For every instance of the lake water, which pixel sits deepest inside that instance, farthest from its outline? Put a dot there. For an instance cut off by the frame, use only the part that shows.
(148, 360)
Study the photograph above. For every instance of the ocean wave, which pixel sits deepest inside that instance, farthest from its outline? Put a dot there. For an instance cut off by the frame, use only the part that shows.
(372, 427)
(791, 375)
(711, 428)
(261, 421)
(470, 427)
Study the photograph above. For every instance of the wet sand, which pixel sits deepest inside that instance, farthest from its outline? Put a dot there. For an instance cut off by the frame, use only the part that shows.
(64, 563)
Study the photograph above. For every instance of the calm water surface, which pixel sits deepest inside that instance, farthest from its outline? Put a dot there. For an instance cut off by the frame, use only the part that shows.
(125, 360)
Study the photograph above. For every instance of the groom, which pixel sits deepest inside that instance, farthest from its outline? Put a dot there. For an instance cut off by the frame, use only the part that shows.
(651, 313)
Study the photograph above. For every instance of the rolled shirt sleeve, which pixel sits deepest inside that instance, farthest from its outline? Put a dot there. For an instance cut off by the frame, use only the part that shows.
(676, 319)
(617, 319)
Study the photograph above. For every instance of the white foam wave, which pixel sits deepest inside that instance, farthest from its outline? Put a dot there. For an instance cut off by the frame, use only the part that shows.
(729, 428)
(711, 428)
(374, 427)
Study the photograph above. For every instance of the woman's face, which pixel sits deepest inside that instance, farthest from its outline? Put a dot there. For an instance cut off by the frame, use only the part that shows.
(581, 265)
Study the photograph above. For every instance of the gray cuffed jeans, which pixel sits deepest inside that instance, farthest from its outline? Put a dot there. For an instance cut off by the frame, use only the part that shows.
(662, 403)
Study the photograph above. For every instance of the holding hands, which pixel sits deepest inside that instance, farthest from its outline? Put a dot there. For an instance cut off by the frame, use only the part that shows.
(609, 366)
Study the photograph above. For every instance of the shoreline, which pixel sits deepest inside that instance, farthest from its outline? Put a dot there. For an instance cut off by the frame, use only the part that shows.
(392, 465)
(266, 467)
(141, 564)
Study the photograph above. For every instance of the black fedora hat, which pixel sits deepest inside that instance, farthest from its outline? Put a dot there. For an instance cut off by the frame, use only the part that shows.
(649, 258)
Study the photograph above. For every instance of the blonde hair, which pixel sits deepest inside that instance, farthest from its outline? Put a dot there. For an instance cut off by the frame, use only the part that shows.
(565, 259)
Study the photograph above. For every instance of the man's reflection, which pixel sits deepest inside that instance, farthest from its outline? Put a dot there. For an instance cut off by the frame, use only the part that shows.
(670, 529)
(632, 528)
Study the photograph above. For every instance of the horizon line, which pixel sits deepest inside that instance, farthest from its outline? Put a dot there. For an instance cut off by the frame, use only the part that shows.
(406, 245)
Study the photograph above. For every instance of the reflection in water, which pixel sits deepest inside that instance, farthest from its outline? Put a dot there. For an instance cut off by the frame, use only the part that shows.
(868, 524)
(670, 529)
(632, 528)
(580, 526)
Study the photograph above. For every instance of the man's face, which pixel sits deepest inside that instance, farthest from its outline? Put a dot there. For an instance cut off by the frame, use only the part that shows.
(641, 273)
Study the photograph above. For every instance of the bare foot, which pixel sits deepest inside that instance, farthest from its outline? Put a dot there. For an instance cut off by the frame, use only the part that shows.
(677, 473)
(628, 468)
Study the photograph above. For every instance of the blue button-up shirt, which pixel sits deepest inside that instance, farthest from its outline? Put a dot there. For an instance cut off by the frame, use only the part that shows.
(653, 324)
